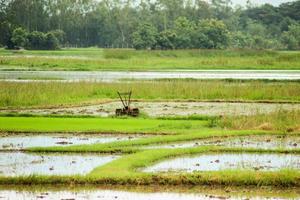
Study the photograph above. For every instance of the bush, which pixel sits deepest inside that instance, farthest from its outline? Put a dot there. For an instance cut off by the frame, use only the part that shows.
(36, 40)
(41, 41)
(19, 37)
(51, 42)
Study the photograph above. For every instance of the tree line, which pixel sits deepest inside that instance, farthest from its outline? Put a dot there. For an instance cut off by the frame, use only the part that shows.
(148, 24)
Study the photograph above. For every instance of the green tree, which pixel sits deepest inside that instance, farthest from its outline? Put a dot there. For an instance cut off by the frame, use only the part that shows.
(60, 35)
(211, 34)
(184, 29)
(240, 40)
(291, 38)
(19, 37)
(111, 23)
(167, 39)
(145, 36)
(51, 42)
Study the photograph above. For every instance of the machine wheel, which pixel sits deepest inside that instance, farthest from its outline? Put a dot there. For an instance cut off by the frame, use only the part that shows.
(118, 112)
(135, 112)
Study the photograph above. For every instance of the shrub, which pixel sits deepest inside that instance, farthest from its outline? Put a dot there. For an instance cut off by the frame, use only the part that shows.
(19, 37)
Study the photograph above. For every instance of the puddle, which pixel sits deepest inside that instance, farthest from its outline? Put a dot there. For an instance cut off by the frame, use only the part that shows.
(22, 164)
(157, 109)
(148, 194)
(18, 142)
(224, 161)
(262, 142)
(175, 74)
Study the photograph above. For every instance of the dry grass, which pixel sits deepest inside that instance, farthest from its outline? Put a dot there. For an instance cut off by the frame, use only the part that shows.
(288, 121)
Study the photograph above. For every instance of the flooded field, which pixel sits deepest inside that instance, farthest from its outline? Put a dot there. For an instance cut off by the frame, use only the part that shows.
(22, 141)
(261, 142)
(175, 74)
(22, 164)
(156, 109)
(223, 161)
(147, 194)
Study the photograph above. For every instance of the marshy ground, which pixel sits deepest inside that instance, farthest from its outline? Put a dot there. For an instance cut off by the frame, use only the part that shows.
(149, 193)
(240, 137)
(162, 109)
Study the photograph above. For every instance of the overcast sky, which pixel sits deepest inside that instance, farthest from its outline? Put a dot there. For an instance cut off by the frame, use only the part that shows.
(259, 2)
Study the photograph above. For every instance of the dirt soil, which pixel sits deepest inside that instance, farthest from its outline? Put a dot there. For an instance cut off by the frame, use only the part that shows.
(156, 109)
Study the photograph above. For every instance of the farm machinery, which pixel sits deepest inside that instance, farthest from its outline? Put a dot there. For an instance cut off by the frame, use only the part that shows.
(126, 101)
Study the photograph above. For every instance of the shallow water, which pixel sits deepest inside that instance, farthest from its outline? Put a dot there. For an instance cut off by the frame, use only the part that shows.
(18, 142)
(262, 142)
(108, 76)
(223, 161)
(156, 109)
(153, 194)
(20, 164)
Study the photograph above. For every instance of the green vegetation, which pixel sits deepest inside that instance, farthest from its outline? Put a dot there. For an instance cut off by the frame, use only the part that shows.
(162, 24)
(287, 121)
(168, 35)
(126, 59)
(135, 145)
(67, 52)
(98, 125)
(126, 171)
(16, 95)
(36, 40)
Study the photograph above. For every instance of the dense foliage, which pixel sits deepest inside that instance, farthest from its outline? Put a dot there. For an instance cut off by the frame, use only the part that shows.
(35, 40)
(148, 24)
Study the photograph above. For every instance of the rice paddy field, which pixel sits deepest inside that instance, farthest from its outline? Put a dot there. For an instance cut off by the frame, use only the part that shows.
(193, 138)
(94, 59)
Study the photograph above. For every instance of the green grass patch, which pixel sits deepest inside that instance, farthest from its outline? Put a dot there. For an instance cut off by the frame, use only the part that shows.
(16, 95)
(99, 125)
(127, 59)
(68, 52)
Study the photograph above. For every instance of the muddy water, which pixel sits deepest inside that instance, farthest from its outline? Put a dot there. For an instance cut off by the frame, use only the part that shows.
(262, 142)
(156, 109)
(223, 161)
(148, 194)
(20, 164)
(115, 76)
(18, 142)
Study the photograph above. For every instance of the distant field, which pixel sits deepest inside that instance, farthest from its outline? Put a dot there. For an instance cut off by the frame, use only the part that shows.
(89, 59)
(48, 94)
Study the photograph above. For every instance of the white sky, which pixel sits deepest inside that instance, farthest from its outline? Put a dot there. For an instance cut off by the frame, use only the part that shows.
(259, 2)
